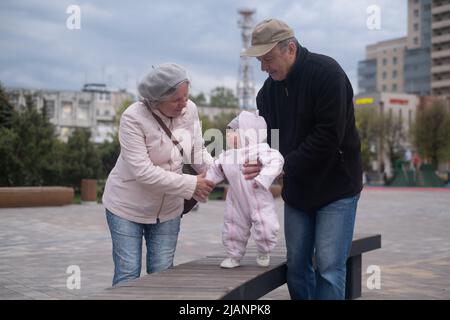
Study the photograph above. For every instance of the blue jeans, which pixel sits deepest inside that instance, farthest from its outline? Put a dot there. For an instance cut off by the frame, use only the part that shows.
(327, 235)
(160, 238)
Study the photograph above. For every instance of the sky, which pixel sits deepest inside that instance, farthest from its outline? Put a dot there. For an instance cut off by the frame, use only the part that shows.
(119, 41)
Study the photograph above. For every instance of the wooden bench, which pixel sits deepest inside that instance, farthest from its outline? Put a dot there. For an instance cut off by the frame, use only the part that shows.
(12, 197)
(203, 279)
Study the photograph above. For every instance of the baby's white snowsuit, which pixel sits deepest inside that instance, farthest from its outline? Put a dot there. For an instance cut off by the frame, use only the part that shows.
(249, 202)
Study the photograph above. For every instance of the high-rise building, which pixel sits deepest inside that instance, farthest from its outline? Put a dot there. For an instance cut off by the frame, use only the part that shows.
(440, 50)
(403, 64)
(383, 68)
(417, 68)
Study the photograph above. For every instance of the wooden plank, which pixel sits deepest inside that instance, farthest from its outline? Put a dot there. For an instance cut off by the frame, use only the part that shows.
(204, 279)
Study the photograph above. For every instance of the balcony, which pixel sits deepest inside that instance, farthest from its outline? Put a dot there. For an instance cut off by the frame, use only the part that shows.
(440, 54)
(436, 84)
(440, 69)
(440, 24)
(440, 39)
(441, 9)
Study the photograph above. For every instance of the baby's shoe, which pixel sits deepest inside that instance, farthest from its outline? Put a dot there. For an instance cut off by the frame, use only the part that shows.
(263, 259)
(229, 263)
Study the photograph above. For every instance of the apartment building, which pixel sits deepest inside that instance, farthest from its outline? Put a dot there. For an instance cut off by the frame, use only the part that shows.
(94, 108)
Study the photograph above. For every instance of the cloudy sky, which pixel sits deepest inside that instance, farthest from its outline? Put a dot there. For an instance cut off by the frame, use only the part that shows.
(119, 41)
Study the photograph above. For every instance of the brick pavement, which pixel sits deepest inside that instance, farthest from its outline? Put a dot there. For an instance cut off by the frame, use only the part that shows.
(38, 244)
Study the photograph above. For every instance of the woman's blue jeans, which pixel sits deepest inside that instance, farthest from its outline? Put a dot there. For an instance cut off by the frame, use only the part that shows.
(327, 235)
(160, 238)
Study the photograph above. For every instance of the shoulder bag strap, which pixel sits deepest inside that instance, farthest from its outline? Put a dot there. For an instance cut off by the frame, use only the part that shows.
(169, 134)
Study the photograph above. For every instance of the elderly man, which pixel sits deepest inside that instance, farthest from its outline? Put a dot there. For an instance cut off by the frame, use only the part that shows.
(309, 98)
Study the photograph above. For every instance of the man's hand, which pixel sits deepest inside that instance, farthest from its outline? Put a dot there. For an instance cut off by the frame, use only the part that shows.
(203, 188)
(251, 170)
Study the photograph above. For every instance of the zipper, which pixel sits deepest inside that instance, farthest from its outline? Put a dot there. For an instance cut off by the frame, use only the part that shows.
(341, 154)
(160, 207)
(286, 91)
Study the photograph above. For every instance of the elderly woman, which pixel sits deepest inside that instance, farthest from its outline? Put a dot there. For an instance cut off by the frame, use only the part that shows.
(145, 191)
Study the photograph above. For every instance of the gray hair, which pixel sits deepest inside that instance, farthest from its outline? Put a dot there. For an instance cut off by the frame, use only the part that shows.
(161, 83)
(164, 97)
(283, 44)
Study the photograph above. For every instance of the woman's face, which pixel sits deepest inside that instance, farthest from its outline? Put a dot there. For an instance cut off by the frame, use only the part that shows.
(173, 107)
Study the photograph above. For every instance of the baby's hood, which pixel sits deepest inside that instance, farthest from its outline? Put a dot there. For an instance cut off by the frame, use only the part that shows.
(252, 128)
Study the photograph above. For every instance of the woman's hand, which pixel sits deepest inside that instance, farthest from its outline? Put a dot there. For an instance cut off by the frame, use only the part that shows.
(251, 170)
(203, 188)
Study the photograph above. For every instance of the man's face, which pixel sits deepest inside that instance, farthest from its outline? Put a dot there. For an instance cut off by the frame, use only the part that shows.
(277, 62)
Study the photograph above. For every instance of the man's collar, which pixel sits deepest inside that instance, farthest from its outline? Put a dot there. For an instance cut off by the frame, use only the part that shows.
(294, 73)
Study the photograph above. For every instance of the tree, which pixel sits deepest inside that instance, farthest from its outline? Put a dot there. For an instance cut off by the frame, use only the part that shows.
(368, 124)
(6, 109)
(432, 133)
(224, 98)
(31, 153)
(394, 137)
(10, 165)
(199, 100)
(81, 159)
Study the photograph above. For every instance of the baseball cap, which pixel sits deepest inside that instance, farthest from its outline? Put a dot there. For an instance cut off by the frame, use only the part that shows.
(266, 35)
(160, 80)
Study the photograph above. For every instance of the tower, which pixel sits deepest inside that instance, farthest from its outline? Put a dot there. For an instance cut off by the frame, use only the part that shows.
(245, 86)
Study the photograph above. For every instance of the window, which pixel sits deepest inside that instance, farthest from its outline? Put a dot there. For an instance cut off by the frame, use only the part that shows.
(416, 13)
(384, 87)
(394, 60)
(394, 74)
(394, 87)
(66, 110)
(83, 110)
(50, 108)
(416, 26)
(384, 61)
(384, 75)
(104, 96)
(416, 40)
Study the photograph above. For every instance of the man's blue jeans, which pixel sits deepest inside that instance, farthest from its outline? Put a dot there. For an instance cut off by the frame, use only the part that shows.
(327, 235)
(160, 238)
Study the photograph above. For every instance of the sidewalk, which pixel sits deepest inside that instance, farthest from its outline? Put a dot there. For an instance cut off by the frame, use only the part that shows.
(38, 244)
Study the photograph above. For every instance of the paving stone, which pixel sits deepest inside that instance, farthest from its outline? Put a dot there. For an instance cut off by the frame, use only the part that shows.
(38, 244)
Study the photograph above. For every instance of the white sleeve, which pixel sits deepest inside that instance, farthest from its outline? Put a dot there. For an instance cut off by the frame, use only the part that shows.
(272, 166)
(215, 172)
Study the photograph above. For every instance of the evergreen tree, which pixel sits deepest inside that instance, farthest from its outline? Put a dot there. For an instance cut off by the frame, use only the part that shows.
(6, 109)
(81, 159)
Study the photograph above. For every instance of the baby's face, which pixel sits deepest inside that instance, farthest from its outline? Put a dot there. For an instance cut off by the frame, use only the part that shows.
(233, 141)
